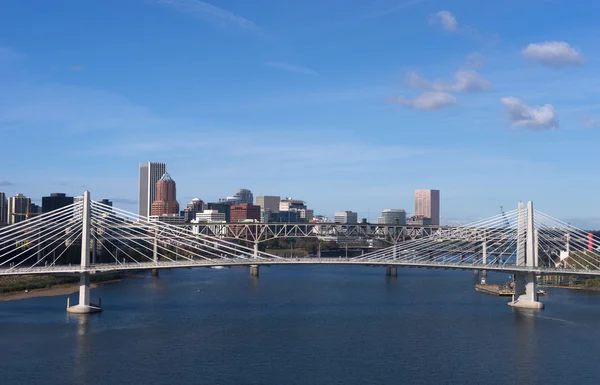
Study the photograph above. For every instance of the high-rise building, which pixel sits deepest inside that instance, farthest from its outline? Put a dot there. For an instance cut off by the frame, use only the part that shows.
(245, 211)
(427, 205)
(55, 201)
(346, 217)
(18, 208)
(288, 204)
(392, 217)
(106, 202)
(241, 196)
(3, 209)
(222, 207)
(195, 206)
(166, 197)
(268, 205)
(150, 173)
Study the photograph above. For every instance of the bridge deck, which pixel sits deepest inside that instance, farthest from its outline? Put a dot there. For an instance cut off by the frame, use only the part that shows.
(105, 268)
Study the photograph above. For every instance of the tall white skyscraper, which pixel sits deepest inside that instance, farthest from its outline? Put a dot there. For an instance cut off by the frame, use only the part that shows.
(427, 204)
(150, 173)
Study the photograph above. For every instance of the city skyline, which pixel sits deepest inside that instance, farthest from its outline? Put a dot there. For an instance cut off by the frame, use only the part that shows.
(490, 106)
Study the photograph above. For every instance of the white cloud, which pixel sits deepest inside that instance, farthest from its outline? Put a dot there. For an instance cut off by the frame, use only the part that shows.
(447, 20)
(291, 68)
(553, 54)
(474, 60)
(205, 11)
(535, 118)
(428, 101)
(464, 81)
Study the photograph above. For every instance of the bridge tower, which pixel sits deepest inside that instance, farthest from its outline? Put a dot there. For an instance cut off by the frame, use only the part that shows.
(85, 306)
(525, 295)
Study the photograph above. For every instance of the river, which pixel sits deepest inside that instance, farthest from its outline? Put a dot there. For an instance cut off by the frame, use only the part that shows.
(302, 325)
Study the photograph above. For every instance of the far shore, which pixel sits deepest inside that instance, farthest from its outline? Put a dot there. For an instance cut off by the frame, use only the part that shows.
(52, 291)
(571, 287)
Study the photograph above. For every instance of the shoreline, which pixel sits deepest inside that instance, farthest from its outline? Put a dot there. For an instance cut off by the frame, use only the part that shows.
(53, 291)
(571, 287)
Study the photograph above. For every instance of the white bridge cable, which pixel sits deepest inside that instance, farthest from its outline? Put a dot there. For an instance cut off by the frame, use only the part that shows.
(434, 247)
(49, 234)
(143, 234)
(185, 250)
(76, 235)
(101, 242)
(73, 208)
(557, 234)
(13, 232)
(176, 232)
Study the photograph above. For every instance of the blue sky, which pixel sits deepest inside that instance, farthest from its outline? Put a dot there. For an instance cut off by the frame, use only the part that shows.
(346, 105)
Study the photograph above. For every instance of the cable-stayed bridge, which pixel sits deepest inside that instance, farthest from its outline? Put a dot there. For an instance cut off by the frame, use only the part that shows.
(67, 241)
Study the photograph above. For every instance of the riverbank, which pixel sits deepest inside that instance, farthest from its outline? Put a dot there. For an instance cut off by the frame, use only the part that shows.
(579, 287)
(33, 287)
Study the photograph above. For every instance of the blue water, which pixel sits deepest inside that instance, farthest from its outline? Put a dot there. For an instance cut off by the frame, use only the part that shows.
(302, 325)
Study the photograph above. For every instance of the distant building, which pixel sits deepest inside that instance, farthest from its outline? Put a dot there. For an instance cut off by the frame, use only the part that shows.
(346, 217)
(166, 197)
(34, 210)
(306, 214)
(286, 217)
(195, 206)
(222, 207)
(106, 202)
(320, 219)
(55, 201)
(392, 217)
(245, 211)
(210, 216)
(427, 205)
(18, 208)
(269, 204)
(418, 220)
(242, 196)
(289, 204)
(172, 219)
(3, 209)
(150, 173)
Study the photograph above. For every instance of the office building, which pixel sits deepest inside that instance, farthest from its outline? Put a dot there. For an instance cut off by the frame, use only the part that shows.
(195, 206)
(289, 204)
(210, 216)
(244, 212)
(172, 219)
(166, 197)
(222, 207)
(55, 201)
(269, 204)
(106, 202)
(427, 205)
(306, 214)
(241, 196)
(392, 217)
(346, 217)
(150, 173)
(18, 209)
(3, 209)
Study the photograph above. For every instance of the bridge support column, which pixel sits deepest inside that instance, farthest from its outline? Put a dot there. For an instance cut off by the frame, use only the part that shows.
(154, 272)
(525, 296)
(391, 271)
(84, 305)
(254, 270)
(484, 261)
(256, 250)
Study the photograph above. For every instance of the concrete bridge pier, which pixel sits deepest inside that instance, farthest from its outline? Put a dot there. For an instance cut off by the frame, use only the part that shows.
(84, 306)
(254, 270)
(391, 271)
(154, 272)
(525, 296)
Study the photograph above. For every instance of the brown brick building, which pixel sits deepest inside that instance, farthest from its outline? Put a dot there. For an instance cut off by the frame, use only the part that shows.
(244, 211)
(166, 197)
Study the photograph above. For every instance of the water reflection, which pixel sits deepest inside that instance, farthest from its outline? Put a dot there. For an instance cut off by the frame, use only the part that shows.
(82, 345)
(526, 346)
